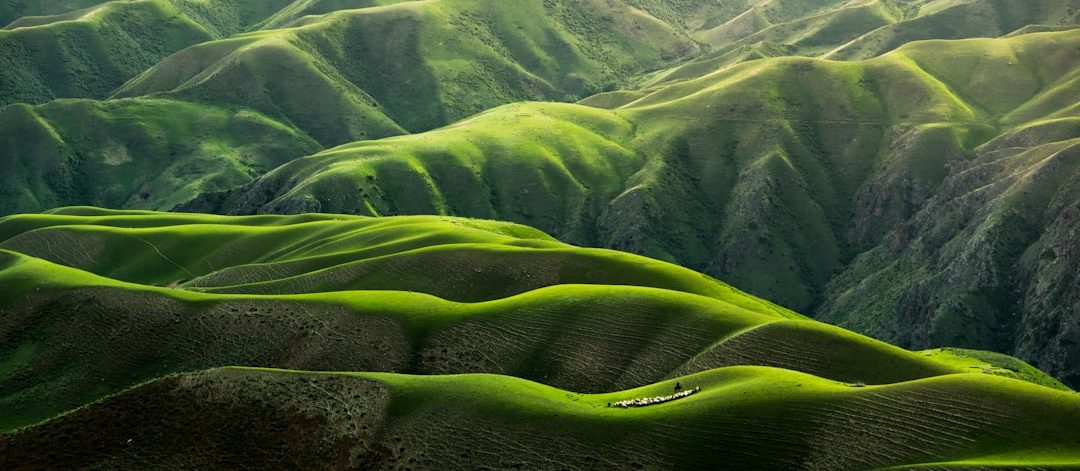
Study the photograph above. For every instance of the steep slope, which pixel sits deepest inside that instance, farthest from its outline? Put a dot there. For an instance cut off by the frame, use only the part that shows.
(744, 418)
(11, 11)
(139, 153)
(378, 71)
(88, 53)
(299, 9)
(225, 18)
(947, 19)
(862, 29)
(550, 165)
(347, 293)
(990, 262)
(794, 167)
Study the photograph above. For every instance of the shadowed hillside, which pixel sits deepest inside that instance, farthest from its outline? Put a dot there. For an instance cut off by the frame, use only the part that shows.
(332, 75)
(87, 54)
(139, 153)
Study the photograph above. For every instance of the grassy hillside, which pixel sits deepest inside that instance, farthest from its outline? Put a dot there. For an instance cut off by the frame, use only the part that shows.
(990, 259)
(11, 11)
(139, 153)
(550, 165)
(377, 71)
(948, 19)
(334, 75)
(862, 29)
(794, 169)
(530, 50)
(299, 10)
(420, 295)
(88, 53)
(744, 418)
(328, 79)
(225, 18)
(364, 307)
(659, 151)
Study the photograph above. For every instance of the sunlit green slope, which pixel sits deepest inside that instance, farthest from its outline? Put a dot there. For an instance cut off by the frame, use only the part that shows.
(161, 293)
(744, 418)
(332, 75)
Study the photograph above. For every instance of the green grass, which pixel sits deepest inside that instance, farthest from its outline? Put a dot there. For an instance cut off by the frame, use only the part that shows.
(778, 176)
(141, 153)
(296, 11)
(330, 79)
(862, 30)
(11, 11)
(92, 53)
(744, 417)
(787, 157)
(794, 132)
(993, 363)
(421, 295)
(945, 19)
(417, 65)
(919, 192)
(89, 53)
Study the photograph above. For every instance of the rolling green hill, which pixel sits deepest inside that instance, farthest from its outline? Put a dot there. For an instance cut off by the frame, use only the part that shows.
(950, 19)
(164, 293)
(744, 418)
(794, 170)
